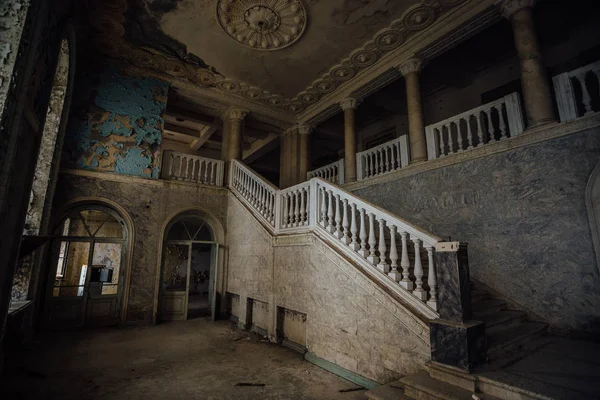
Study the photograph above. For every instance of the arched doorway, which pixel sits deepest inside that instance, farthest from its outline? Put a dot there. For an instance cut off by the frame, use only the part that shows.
(87, 273)
(188, 276)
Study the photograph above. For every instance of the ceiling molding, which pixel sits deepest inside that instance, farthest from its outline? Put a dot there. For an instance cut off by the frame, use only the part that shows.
(363, 72)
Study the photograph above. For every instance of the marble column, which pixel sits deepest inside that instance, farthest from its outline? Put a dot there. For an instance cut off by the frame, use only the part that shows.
(349, 107)
(534, 80)
(288, 149)
(235, 118)
(304, 151)
(416, 131)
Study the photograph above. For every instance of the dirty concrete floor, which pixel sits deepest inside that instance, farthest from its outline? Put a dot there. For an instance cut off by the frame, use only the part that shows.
(197, 359)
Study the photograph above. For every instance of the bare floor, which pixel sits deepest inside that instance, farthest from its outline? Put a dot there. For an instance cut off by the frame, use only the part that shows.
(197, 359)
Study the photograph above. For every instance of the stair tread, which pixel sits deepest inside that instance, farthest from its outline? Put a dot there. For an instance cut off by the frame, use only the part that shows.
(389, 391)
(512, 335)
(423, 382)
(487, 303)
(501, 316)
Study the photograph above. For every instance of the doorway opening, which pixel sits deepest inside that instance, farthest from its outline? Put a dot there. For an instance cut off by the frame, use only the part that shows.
(188, 270)
(88, 269)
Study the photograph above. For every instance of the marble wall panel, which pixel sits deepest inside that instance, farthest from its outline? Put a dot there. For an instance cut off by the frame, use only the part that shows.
(524, 216)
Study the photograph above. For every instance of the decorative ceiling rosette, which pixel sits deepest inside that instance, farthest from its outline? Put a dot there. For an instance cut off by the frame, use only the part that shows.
(262, 25)
(204, 77)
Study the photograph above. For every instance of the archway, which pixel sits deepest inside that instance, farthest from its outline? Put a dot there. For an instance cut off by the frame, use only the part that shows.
(88, 271)
(188, 278)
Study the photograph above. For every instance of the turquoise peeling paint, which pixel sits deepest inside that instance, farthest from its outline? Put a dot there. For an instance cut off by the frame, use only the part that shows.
(111, 105)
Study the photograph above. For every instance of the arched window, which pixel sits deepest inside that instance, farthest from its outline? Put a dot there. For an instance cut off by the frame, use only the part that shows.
(89, 261)
(190, 227)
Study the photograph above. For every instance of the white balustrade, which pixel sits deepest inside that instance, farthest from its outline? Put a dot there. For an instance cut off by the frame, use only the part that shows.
(368, 232)
(373, 237)
(333, 172)
(577, 92)
(387, 157)
(190, 168)
(489, 123)
(295, 207)
(259, 194)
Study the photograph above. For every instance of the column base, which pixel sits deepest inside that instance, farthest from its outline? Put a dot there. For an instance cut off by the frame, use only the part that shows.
(460, 345)
(417, 161)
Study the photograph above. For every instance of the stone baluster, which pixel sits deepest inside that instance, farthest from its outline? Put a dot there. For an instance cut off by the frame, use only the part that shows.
(180, 173)
(286, 208)
(419, 292)
(431, 279)
(501, 122)
(394, 273)
(338, 218)
(385, 159)
(323, 208)
(406, 283)
(354, 245)
(450, 138)
(171, 165)
(303, 210)
(586, 98)
(209, 178)
(372, 258)
(480, 134)
(440, 134)
(296, 195)
(363, 235)
(398, 155)
(369, 167)
(491, 129)
(459, 138)
(382, 265)
(346, 233)
(330, 214)
(469, 132)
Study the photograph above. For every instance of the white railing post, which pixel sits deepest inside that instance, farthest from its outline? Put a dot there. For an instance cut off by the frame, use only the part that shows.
(514, 112)
(404, 151)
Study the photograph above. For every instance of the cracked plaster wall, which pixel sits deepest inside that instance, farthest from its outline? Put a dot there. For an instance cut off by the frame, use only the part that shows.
(350, 321)
(116, 123)
(524, 216)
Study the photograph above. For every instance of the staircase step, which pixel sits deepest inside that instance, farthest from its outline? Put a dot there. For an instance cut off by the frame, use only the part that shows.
(503, 319)
(488, 306)
(512, 338)
(390, 391)
(421, 386)
(479, 295)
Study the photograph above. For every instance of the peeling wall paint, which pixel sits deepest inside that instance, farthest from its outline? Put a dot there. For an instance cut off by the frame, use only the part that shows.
(117, 125)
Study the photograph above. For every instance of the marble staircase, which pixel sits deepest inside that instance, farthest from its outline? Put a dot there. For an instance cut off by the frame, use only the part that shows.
(510, 336)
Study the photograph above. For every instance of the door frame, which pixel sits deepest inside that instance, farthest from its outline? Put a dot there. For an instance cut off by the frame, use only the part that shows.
(124, 263)
(213, 271)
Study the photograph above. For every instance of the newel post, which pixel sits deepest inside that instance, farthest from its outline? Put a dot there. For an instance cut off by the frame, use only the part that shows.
(456, 340)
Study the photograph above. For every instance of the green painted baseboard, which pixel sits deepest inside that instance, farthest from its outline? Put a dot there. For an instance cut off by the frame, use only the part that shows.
(341, 372)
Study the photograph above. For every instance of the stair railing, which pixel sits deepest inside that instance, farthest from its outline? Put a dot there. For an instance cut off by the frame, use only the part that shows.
(482, 125)
(190, 168)
(333, 172)
(387, 157)
(395, 252)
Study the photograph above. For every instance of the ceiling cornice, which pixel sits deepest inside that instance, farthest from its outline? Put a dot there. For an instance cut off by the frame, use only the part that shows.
(364, 71)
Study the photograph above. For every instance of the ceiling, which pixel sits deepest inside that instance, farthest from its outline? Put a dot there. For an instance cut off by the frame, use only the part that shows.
(281, 58)
(333, 29)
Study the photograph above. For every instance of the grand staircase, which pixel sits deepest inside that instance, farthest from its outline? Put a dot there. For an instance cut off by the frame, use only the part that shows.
(510, 335)
(400, 258)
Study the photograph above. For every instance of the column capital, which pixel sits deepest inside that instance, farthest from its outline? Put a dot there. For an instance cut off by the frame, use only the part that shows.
(235, 114)
(410, 66)
(348, 103)
(509, 7)
(305, 129)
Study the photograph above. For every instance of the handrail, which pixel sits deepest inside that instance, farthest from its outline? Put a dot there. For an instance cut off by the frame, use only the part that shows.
(192, 168)
(568, 99)
(349, 224)
(386, 157)
(329, 172)
(493, 121)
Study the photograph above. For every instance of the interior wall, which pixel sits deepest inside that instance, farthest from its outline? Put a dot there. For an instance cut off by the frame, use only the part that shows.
(151, 205)
(116, 122)
(523, 213)
(350, 321)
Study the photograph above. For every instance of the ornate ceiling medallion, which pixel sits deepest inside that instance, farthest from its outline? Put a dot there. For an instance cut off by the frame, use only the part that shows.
(270, 26)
